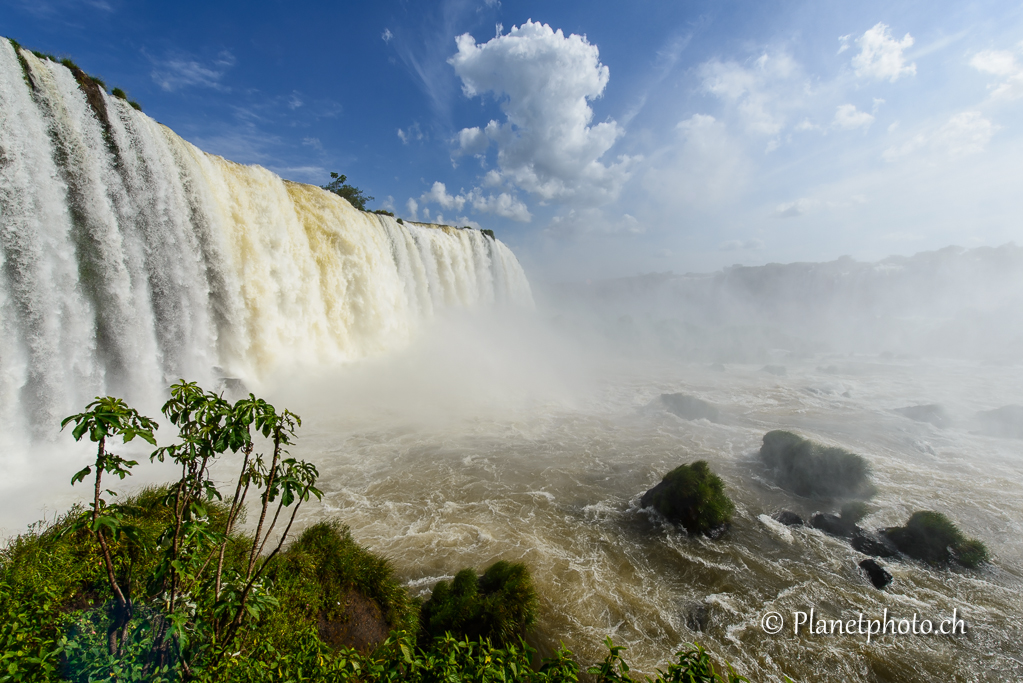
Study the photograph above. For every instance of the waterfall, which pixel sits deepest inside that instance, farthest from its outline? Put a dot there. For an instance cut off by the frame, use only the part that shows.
(130, 258)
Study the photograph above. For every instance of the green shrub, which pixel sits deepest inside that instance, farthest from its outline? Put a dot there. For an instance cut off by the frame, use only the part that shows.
(339, 186)
(932, 537)
(500, 606)
(813, 470)
(118, 93)
(693, 496)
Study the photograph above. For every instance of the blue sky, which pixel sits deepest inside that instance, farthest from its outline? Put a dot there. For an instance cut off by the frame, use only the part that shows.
(599, 139)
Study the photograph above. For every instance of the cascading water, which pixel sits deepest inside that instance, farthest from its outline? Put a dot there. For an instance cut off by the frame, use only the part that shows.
(131, 258)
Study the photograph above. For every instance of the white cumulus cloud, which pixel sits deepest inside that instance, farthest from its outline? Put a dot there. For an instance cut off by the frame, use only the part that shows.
(438, 194)
(502, 204)
(880, 55)
(761, 92)
(848, 117)
(547, 145)
(1001, 63)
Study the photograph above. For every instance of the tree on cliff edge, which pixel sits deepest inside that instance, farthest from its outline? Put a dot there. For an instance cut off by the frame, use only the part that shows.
(339, 186)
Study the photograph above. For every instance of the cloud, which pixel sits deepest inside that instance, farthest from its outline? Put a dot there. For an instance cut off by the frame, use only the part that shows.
(438, 194)
(413, 133)
(796, 208)
(174, 73)
(502, 204)
(881, 57)
(848, 117)
(472, 141)
(742, 245)
(387, 35)
(294, 101)
(593, 220)
(705, 167)
(1001, 63)
(761, 92)
(313, 142)
(412, 206)
(964, 134)
(547, 144)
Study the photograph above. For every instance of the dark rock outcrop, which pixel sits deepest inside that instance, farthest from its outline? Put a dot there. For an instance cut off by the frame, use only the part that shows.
(693, 497)
(788, 518)
(1006, 421)
(931, 413)
(876, 573)
(689, 407)
(811, 469)
(697, 616)
(833, 524)
(874, 544)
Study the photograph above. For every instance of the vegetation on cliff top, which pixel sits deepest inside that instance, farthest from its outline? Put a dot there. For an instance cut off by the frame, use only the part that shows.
(339, 186)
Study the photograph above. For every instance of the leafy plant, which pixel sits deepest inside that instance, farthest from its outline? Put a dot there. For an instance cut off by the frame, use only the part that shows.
(105, 418)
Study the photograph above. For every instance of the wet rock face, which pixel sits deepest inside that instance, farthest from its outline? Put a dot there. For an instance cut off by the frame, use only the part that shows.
(689, 407)
(874, 544)
(789, 518)
(876, 573)
(697, 616)
(1006, 422)
(833, 524)
(931, 413)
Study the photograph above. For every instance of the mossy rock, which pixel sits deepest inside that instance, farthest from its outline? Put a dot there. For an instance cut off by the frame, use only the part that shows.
(500, 605)
(693, 497)
(813, 470)
(689, 407)
(932, 537)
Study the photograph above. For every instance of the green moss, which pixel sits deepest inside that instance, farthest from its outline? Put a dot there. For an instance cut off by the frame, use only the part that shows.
(693, 496)
(811, 469)
(135, 105)
(932, 537)
(327, 560)
(117, 92)
(500, 606)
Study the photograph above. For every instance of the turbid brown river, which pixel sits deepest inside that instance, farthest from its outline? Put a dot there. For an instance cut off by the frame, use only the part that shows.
(452, 456)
